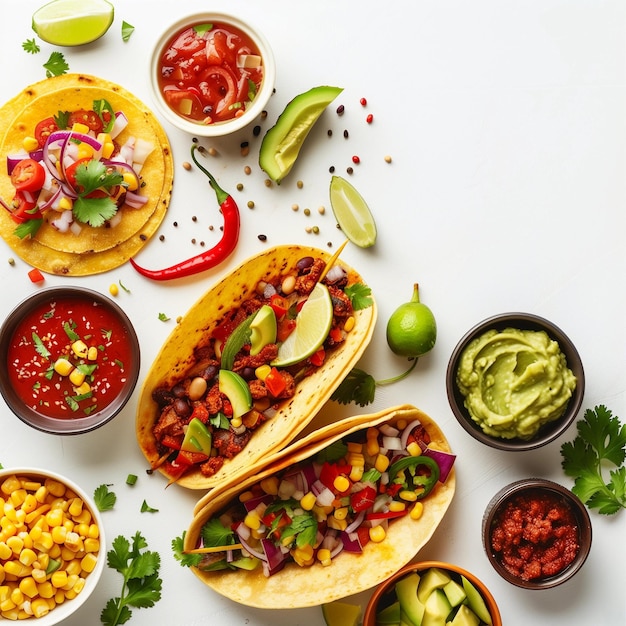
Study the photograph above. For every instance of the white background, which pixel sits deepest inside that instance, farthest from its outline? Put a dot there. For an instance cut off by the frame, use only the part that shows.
(505, 123)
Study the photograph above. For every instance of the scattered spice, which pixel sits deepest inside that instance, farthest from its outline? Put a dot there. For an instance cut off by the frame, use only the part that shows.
(262, 237)
(256, 131)
(245, 149)
(11, 261)
(387, 159)
(194, 218)
(307, 212)
(350, 170)
(363, 102)
(250, 204)
(212, 151)
(345, 134)
(175, 224)
(329, 132)
(331, 169)
(246, 170)
(268, 182)
(340, 109)
(321, 210)
(294, 207)
(161, 237)
(356, 159)
(186, 165)
(369, 119)
(299, 184)
(239, 186)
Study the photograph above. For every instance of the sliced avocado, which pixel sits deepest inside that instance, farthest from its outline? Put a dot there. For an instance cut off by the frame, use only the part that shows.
(281, 144)
(406, 590)
(433, 578)
(341, 614)
(465, 617)
(475, 601)
(235, 388)
(197, 438)
(454, 592)
(262, 329)
(246, 562)
(436, 609)
(389, 615)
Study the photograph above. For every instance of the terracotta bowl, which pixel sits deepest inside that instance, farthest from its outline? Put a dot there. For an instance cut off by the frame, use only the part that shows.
(548, 432)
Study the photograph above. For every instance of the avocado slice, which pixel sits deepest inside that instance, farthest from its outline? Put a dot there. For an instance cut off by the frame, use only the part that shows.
(465, 617)
(262, 329)
(476, 602)
(341, 614)
(236, 389)
(389, 615)
(436, 609)
(406, 591)
(197, 438)
(454, 592)
(433, 578)
(281, 144)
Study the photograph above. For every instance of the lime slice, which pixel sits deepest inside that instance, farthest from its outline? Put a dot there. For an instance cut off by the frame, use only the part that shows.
(352, 213)
(73, 22)
(312, 327)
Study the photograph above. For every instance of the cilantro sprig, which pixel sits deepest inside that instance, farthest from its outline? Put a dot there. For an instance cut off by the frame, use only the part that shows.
(90, 177)
(104, 498)
(56, 65)
(601, 442)
(141, 587)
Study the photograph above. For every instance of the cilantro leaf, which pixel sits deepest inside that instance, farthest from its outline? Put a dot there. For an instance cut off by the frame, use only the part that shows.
(360, 295)
(28, 228)
(146, 508)
(94, 211)
(358, 386)
(56, 65)
(31, 46)
(104, 499)
(215, 534)
(127, 30)
(186, 560)
(90, 177)
(601, 440)
(39, 346)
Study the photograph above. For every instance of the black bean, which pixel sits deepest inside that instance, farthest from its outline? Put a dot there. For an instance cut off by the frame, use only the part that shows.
(304, 263)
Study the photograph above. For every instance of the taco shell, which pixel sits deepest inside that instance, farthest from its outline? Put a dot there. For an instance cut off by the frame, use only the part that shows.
(93, 250)
(176, 357)
(348, 574)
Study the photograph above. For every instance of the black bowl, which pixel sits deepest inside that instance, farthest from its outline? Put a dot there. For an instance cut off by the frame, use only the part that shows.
(80, 423)
(548, 432)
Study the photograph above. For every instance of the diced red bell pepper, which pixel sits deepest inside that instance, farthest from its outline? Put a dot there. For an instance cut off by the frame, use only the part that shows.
(35, 276)
(285, 328)
(280, 305)
(385, 515)
(336, 335)
(318, 357)
(275, 382)
(173, 442)
(363, 499)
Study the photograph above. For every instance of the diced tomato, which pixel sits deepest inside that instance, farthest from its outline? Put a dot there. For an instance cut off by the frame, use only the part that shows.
(330, 471)
(335, 334)
(173, 442)
(391, 490)
(363, 534)
(279, 519)
(187, 43)
(284, 328)
(184, 101)
(275, 382)
(23, 208)
(190, 458)
(70, 172)
(44, 129)
(317, 359)
(201, 412)
(89, 118)
(35, 276)
(363, 499)
(280, 305)
(28, 175)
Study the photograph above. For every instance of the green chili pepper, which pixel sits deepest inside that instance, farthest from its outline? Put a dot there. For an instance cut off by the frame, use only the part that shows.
(424, 481)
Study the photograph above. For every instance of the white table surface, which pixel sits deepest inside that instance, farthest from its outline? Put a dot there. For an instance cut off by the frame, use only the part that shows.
(505, 121)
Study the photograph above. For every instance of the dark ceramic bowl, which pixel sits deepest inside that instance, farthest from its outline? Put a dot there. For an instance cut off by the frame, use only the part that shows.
(548, 432)
(378, 599)
(528, 489)
(120, 335)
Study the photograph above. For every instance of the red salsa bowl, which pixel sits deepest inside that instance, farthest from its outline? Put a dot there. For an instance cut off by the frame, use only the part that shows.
(212, 74)
(72, 360)
(536, 533)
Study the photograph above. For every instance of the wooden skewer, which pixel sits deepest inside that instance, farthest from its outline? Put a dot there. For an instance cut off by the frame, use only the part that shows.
(332, 260)
(207, 550)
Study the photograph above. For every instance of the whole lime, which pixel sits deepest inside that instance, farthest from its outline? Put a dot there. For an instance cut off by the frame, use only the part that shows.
(412, 329)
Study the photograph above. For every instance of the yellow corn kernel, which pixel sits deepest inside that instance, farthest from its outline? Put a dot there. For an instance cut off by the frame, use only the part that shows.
(236, 422)
(377, 533)
(44, 543)
(55, 551)
(414, 448)
(46, 590)
(67, 554)
(17, 497)
(63, 367)
(270, 485)
(59, 598)
(79, 585)
(79, 348)
(29, 504)
(15, 543)
(39, 575)
(65, 204)
(92, 353)
(262, 371)
(130, 181)
(396, 506)
(59, 533)
(70, 594)
(417, 510)
(252, 520)
(15, 568)
(341, 483)
(40, 607)
(8, 528)
(407, 496)
(59, 578)
(304, 555)
(68, 524)
(41, 494)
(5, 551)
(323, 556)
(381, 463)
(73, 542)
(28, 587)
(372, 446)
(72, 579)
(77, 377)
(258, 534)
(307, 502)
(341, 513)
(83, 389)
(356, 473)
(7, 605)
(372, 432)
(82, 528)
(94, 531)
(5, 592)
(74, 567)
(27, 556)
(84, 151)
(17, 596)
(2, 574)
(32, 517)
(114, 289)
(29, 144)
(349, 324)
(77, 127)
(108, 148)
(88, 562)
(337, 524)
(244, 496)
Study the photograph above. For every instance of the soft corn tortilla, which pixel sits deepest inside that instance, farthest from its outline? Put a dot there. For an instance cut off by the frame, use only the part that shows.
(295, 586)
(176, 357)
(93, 250)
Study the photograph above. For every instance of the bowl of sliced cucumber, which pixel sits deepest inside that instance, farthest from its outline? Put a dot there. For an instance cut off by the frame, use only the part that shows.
(433, 592)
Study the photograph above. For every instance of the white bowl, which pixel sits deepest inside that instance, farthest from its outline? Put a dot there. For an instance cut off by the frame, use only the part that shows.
(253, 111)
(62, 611)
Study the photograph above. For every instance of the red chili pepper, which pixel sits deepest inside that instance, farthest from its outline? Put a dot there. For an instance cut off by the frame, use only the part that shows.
(215, 255)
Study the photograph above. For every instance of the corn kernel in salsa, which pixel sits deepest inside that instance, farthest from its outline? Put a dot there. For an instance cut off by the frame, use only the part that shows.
(210, 73)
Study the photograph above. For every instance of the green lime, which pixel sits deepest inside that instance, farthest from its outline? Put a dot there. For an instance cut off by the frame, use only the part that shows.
(73, 22)
(352, 213)
(312, 327)
(411, 329)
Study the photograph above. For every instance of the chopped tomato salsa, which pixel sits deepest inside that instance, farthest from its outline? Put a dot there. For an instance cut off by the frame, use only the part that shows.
(68, 358)
(210, 72)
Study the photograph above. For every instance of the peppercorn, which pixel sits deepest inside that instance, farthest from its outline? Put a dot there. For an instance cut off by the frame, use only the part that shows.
(262, 237)
(340, 109)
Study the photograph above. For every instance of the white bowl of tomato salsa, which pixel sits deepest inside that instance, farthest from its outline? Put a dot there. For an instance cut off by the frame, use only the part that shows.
(536, 533)
(212, 74)
(71, 357)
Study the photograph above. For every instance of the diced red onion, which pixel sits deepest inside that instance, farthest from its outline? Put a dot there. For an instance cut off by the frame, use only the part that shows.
(351, 542)
(115, 220)
(445, 460)
(274, 557)
(250, 549)
(252, 503)
(325, 497)
(335, 274)
(14, 159)
(62, 223)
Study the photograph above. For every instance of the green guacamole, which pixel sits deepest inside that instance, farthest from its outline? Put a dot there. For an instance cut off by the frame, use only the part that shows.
(514, 382)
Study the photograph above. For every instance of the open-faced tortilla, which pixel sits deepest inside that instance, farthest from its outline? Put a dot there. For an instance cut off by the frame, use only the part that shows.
(348, 573)
(92, 250)
(179, 355)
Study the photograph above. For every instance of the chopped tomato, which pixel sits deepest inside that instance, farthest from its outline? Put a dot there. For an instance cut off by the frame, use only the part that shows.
(44, 129)
(187, 43)
(35, 276)
(363, 499)
(184, 101)
(385, 515)
(284, 328)
(275, 382)
(70, 172)
(24, 208)
(363, 534)
(28, 175)
(89, 118)
(317, 359)
(173, 442)
(279, 304)
(200, 412)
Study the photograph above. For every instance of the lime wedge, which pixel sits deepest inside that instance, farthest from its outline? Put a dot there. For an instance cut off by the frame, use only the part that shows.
(352, 213)
(73, 22)
(312, 327)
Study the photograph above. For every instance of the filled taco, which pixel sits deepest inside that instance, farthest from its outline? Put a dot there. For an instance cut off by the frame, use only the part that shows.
(86, 174)
(251, 363)
(329, 516)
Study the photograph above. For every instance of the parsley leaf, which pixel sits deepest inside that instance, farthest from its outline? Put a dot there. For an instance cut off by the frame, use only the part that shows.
(127, 30)
(360, 295)
(31, 46)
(358, 386)
(56, 64)
(142, 585)
(104, 499)
(601, 441)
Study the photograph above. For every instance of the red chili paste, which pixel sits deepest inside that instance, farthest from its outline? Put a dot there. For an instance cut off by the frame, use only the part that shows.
(46, 335)
(535, 536)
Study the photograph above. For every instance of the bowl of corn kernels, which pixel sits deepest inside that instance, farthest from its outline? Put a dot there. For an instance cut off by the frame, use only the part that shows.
(52, 546)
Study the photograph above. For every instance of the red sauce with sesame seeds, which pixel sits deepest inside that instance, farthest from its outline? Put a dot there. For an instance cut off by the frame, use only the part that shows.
(535, 536)
(46, 335)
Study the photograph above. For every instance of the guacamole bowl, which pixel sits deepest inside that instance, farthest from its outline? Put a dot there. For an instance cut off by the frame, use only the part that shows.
(211, 74)
(515, 381)
(453, 589)
(536, 533)
(71, 359)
